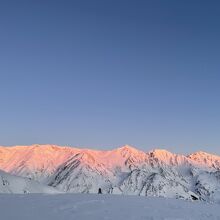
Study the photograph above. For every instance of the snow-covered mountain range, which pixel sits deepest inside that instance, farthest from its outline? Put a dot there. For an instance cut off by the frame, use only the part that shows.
(125, 170)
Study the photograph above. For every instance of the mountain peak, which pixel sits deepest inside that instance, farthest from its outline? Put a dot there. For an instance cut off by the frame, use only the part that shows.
(128, 147)
(127, 150)
(167, 157)
(202, 158)
(203, 155)
(161, 153)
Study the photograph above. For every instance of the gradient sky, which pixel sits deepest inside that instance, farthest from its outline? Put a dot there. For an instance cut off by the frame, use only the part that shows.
(104, 73)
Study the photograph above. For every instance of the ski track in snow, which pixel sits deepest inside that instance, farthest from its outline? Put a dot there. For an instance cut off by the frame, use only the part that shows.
(102, 207)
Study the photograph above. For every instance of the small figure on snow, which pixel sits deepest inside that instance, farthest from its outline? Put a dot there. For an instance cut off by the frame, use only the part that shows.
(100, 191)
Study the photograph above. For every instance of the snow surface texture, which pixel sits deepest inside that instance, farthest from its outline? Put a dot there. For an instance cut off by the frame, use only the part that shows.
(124, 170)
(102, 207)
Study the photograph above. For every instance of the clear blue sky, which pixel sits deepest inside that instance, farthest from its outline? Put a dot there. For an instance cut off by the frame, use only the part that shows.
(106, 73)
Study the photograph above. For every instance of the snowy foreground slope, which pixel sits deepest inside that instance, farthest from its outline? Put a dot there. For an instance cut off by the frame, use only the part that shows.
(101, 207)
(14, 184)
